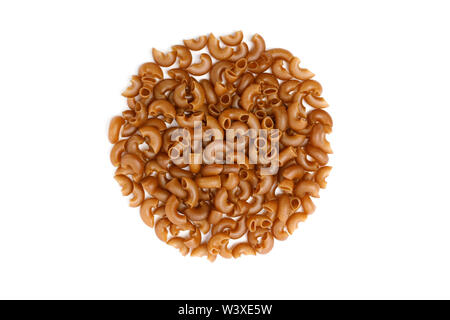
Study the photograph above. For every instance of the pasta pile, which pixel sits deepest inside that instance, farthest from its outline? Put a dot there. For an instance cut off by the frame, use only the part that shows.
(202, 208)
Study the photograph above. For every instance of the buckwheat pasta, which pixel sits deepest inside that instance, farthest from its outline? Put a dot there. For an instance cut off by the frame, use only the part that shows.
(224, 164)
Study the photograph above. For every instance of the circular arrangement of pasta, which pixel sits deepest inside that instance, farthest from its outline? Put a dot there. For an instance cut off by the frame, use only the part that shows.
(222, 145)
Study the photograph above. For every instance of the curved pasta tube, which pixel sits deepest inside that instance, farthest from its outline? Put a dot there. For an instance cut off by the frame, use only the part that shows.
(132, 147)
(271, 209)
(202, 251)
(125, 183)
(221, 201)
(296, 116)
(321, 116)
(198, 213)
(179, 75)
(198, 95)
(256, 204)
(230, 180)
(297, 72)
(116, 152)
(176, 229)
(302, 160)
(233, 39)
(179, 244)
(209, 182)
(293, 172)
(278, 230)
(179, 173)
(114, 128)
(319, 155)
(263, 63)
(291, 138)
(141, 114)
(162, 107)
(146, 211)
(217, 241)
(308, 205)
(188, 120)
(201, 68)
(179, 96)
(172, 211)
(307, 187)
(215, 49)
(215, 216)
(163, 87)
(279, 53)
(294, 220)
(286, 185)
(261, 240)
(150, 69)
(240, 228)
(224, 225)
(243, 249)
(138, 195)
(318, 139)
(259, 46)
(225, 252)
(286, 154)
(153, 166)
(208, 89)
(288, 89)
(184, 56)
(132, 164)
(128, 130)
(239, 52)
(217, 70)
(212, 170)
(174, 186)
(154, 138)
(316, 102)
(311, 87)
(284, 207)
(240, 66)
(321, 175)
(192, 189)
(264, 184)
(255, 221)
(240, 208)
(202, 225)
(133, 89)
(155, 122)
(281, 117)
(194, 240)
(248, 96)
(196, 44)
(161, 228)
(164, 59)
(279, 71)
(246, 79)
(150, 185)
(230, 76)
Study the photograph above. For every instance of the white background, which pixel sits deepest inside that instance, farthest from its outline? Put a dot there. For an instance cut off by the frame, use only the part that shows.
(381, 229)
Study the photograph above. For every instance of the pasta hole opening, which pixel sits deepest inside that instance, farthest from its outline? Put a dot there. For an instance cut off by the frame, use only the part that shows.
(244, 118)
(241, 64)
(225, 99)
(295, 203)
(227, 123)
(266, 224)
